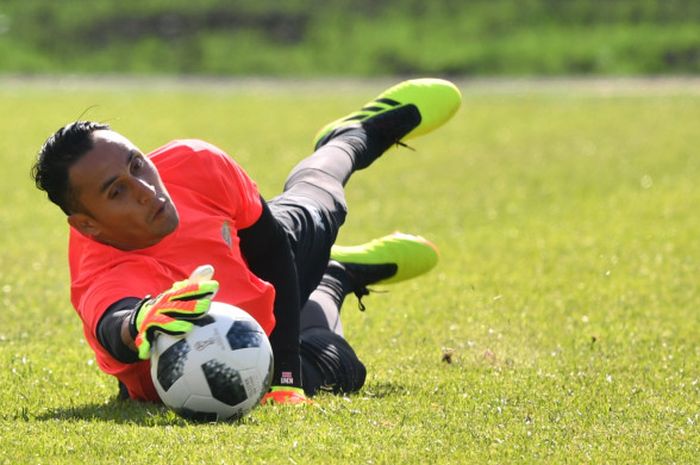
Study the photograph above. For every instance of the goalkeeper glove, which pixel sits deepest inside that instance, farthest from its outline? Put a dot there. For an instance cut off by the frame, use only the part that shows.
(285, 395)
(172, 311)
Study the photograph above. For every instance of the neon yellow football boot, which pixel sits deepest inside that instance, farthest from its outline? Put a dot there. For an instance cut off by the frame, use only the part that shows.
(389, 259)
(434, 102)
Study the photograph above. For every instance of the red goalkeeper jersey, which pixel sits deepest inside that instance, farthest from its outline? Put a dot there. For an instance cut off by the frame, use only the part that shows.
(214, 198)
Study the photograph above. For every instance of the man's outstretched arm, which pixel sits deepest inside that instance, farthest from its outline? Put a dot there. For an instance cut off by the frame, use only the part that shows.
(129, 326)
(114, 332)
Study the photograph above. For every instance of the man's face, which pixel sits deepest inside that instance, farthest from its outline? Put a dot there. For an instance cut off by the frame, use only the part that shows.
(121, 198)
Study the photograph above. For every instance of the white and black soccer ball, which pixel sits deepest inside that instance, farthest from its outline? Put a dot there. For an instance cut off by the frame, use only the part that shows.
(219, 370)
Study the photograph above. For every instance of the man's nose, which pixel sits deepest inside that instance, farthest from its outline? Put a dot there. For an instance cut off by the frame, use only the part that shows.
(144, 191)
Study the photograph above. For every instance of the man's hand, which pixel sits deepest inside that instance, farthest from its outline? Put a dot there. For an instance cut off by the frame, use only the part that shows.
(172, 311)
(285, 395)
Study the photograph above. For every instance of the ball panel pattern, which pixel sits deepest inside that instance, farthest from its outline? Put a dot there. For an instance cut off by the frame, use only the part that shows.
(204, 321)
(171, 363)
(224, 383)
(244, 334)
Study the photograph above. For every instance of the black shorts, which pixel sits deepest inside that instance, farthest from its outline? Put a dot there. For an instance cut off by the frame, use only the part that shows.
(311, 215)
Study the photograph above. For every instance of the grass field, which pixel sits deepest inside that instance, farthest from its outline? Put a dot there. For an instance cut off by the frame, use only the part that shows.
(567, 217)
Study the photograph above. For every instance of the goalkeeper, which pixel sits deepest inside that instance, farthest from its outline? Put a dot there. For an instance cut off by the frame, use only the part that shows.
(139, 223)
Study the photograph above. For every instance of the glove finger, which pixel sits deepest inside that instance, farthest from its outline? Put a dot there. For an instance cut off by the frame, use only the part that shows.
(174, 328)
(194, 291)
(164, 323)
(187, 316)
(144, 349)
(186, 310)
(201, 273)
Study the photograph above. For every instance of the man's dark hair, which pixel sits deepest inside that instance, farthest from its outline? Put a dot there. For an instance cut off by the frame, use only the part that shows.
(60, 151)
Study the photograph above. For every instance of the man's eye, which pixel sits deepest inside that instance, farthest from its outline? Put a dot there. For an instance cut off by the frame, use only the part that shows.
(114, 193)
(137, 164)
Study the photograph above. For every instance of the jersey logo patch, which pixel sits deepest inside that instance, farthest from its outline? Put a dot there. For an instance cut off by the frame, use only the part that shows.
(226, 233)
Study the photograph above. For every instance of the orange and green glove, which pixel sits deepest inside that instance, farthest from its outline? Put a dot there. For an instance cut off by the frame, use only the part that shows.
(172, 311)
(285, 395)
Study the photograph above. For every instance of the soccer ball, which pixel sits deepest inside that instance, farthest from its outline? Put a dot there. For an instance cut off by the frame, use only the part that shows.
(219, 370)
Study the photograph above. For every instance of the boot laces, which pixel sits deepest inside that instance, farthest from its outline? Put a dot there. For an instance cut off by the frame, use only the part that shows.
(363, 291)
(405, 145)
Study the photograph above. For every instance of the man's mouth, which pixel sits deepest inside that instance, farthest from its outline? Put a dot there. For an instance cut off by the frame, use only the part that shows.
(159, 211)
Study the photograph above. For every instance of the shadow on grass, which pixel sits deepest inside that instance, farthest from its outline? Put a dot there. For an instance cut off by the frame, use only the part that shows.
(151, 414)
(115, 411)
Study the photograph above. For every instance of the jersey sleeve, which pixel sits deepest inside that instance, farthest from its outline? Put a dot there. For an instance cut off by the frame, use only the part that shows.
(211, 172)
(136, 276)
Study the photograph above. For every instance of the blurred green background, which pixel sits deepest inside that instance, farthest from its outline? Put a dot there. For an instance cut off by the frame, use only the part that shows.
(351, 38)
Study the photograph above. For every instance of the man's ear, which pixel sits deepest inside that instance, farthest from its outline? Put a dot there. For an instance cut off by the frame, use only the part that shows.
(84, 224)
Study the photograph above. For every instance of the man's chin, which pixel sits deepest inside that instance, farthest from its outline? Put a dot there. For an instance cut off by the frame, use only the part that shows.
(166, 229)
(173, 222)
(167, 221)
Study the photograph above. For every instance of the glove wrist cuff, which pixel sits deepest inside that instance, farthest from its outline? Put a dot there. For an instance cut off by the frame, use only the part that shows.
(133, 319)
